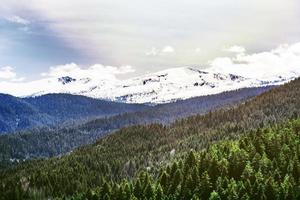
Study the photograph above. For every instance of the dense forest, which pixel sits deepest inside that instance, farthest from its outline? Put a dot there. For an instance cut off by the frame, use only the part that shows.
(263, 165)
(47, 142)
(136, 162)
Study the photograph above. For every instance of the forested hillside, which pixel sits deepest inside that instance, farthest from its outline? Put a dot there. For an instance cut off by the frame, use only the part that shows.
(47, 142)
(66, 106)
(53, 109)
(265, 162)
(263, 165)
(16, 113)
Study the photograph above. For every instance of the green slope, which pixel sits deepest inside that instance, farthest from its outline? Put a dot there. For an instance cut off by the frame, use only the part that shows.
(263, 165)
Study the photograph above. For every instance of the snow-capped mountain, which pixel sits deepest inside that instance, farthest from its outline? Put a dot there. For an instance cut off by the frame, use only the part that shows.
(160, 87)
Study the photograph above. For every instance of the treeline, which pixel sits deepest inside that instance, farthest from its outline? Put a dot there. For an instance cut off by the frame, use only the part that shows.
(47, 142)
(130, 150)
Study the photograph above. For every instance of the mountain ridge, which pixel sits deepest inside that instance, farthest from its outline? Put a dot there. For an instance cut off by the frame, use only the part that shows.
(156, 88)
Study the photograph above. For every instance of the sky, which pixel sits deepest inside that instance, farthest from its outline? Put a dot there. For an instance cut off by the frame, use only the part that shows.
(37, 36)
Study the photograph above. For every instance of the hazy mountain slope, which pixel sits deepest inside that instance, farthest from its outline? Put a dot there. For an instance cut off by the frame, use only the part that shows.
(18, 114)
(66, 106)
(123, 153)
(46, 142)
(160, 87)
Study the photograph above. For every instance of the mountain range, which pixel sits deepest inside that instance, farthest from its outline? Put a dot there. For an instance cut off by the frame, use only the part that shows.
(161, 87)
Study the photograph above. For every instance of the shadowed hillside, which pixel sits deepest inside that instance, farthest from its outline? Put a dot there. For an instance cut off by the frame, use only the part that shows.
(47, 142)
(53, 109)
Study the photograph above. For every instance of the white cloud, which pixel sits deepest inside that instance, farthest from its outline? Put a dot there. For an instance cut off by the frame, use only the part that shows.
(159, 52)
(152, 52)
(18, 20)
(168, 49)
(20, 79)
(277, 62)
(236, 49)
(95, 71)
(7, 73)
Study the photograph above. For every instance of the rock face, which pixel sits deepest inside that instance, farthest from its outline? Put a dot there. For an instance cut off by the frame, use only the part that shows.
(160, 87)
(66, 79)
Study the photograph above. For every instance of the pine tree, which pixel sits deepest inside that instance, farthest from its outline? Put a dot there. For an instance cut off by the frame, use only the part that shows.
(232, 190)
(106, 197)
(126, 191)
(286, 188)
(164, 181)
(214, 196)
(205, 185)
(159, 192)
(271, 189)
(105, 190)
(138, 191)
(149, 193)
(173, 169)
(132, 197)
(190, 161)
(175, 182)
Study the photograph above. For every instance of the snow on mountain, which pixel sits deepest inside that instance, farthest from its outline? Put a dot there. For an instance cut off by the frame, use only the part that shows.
(160, 87)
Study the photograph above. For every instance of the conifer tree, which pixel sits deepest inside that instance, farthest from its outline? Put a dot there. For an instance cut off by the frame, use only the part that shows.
(159, 192)
(175, 182)
(138, 191)
(164, 181)
(190, 160)
(149, 193)
(205, 185)
(214, 196)
(105, 189)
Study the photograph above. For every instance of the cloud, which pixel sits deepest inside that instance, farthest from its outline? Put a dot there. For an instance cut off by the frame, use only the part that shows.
(152, 52)
(17, 20)
(236, 49)
(93, 29)
(7, 73)
(159, 52)
(281, 61)
(168, 49)
(97, 71)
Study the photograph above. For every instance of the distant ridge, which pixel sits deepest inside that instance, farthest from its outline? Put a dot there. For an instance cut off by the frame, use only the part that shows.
(52, 109)
(156, 88)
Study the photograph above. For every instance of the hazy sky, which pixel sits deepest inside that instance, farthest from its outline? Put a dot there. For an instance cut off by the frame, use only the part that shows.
(148, 35)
